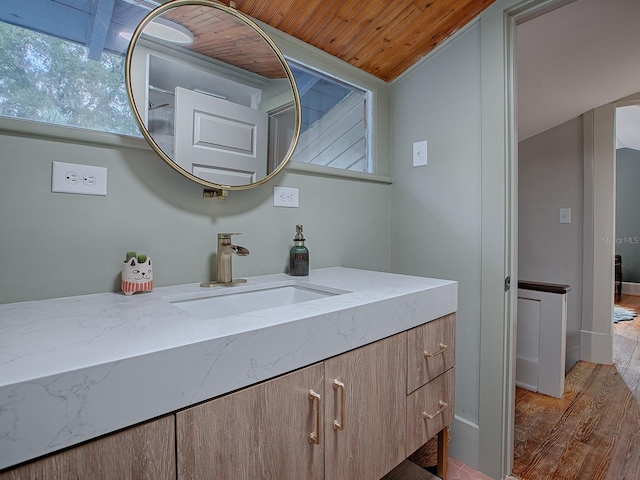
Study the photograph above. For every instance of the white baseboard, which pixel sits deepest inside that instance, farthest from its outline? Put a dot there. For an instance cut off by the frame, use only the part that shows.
(572, 355)
(526, 386)
(596, 347)
(631, 288)
(465, 439)
(527, 373)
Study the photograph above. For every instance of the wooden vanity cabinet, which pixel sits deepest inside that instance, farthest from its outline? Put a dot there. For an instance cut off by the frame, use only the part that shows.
(143, 452)
(431, 385)
(366, 412)
(260, 432)
(264, 431)
(370, 405)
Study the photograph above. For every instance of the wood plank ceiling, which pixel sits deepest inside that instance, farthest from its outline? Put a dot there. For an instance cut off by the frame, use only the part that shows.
(381, 37)
(226, 38)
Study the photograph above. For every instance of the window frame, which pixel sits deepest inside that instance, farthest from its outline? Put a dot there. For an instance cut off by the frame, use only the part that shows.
(378, 112)
(298, 51)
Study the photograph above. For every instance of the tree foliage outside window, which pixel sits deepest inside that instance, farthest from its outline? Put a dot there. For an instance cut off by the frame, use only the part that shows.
(46, 79)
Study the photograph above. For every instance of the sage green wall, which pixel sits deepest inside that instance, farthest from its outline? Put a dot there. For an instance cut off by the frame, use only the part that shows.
(54, 244)
(627, 219)
(435, 213)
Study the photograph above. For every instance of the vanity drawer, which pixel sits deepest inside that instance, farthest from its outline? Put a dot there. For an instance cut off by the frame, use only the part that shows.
(435, 400)
(430, 351)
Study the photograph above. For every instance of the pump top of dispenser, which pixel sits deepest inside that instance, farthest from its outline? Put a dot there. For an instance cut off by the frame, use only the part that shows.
(299, 237)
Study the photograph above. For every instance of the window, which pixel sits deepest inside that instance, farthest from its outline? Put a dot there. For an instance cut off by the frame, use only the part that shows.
(46, 79)
(334, 129)
(48, 73)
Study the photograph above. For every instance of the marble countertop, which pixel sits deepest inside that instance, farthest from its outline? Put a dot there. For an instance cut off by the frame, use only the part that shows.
(74, 368)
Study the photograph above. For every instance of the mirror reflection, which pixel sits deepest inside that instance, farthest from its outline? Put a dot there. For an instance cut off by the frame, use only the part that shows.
(212, 94)
(65, 62)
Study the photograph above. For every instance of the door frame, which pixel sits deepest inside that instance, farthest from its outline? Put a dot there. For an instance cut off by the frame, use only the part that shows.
(499, 229)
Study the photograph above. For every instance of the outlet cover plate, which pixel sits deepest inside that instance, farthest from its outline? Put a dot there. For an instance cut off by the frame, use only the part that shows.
(79, 179)
(564, 215)
(286, 197)
(420, 154)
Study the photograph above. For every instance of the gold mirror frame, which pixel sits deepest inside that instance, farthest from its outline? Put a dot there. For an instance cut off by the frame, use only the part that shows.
(220, 190)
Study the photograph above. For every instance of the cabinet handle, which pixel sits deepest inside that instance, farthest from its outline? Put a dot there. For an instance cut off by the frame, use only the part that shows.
(443, 406)
(339, 424)
(443, 348)
(314, 437)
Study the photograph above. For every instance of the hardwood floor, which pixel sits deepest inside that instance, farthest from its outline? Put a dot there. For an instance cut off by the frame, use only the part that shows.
(593, 431)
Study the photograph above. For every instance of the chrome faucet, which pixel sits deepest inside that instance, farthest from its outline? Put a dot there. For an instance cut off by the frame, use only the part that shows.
(225, 251)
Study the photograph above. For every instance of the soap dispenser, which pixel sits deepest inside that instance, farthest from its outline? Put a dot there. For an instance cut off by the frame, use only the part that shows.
(299, 258)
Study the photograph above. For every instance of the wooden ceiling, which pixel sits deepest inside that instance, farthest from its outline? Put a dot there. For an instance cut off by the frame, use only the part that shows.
(226, 38)
(382, 37)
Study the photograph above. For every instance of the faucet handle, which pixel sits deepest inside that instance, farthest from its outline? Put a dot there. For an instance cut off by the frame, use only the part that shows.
(227, 235)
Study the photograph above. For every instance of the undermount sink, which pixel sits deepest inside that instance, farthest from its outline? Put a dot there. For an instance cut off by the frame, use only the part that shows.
(250, 301)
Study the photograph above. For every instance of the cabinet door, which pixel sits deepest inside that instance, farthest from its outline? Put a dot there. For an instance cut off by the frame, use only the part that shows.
(430, 409)
(372, 439)
(146, 451)
(431, 351)
(261, 432)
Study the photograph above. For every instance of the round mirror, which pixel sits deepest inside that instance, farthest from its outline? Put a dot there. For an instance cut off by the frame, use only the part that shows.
(212, 94)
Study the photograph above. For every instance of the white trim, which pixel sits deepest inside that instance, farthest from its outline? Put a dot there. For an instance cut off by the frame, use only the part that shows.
(598, 347)
(497, 341)
(28, 128)
(466, 436)
(598, 223)
(499, 234)
(321, 171)
(526, 386)
(629, 101)
(631, 288)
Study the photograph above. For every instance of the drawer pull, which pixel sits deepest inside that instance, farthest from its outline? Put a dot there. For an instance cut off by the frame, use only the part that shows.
(339, 424)
(443, 406)
(443, 348)
(314, 437)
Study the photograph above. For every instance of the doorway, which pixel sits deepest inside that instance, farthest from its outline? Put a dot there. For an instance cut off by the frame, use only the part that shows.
(579, 151)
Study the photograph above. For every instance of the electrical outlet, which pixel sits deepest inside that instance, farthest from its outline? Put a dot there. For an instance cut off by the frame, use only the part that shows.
(564, 215)
(285, 197)
(80, 179)
(420, 154)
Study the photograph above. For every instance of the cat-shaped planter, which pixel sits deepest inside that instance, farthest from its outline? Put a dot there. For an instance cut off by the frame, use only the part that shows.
(136, 277)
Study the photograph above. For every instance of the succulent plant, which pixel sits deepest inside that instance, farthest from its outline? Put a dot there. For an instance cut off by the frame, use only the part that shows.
(139, 258)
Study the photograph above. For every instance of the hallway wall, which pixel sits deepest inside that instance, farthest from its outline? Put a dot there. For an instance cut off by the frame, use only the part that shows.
(550, 177)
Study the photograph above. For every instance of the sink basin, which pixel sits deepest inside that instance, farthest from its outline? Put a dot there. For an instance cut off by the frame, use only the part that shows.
(250, 301)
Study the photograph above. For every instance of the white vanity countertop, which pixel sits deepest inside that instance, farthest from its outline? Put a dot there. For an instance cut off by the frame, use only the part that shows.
(75, 368)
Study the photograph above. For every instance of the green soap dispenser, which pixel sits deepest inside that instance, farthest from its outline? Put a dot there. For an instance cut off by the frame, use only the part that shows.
(299, 257)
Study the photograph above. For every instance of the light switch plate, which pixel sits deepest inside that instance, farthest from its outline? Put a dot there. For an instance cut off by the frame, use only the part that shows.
(80, 179)
(420, 153)
(565, 215)
(285, 197)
